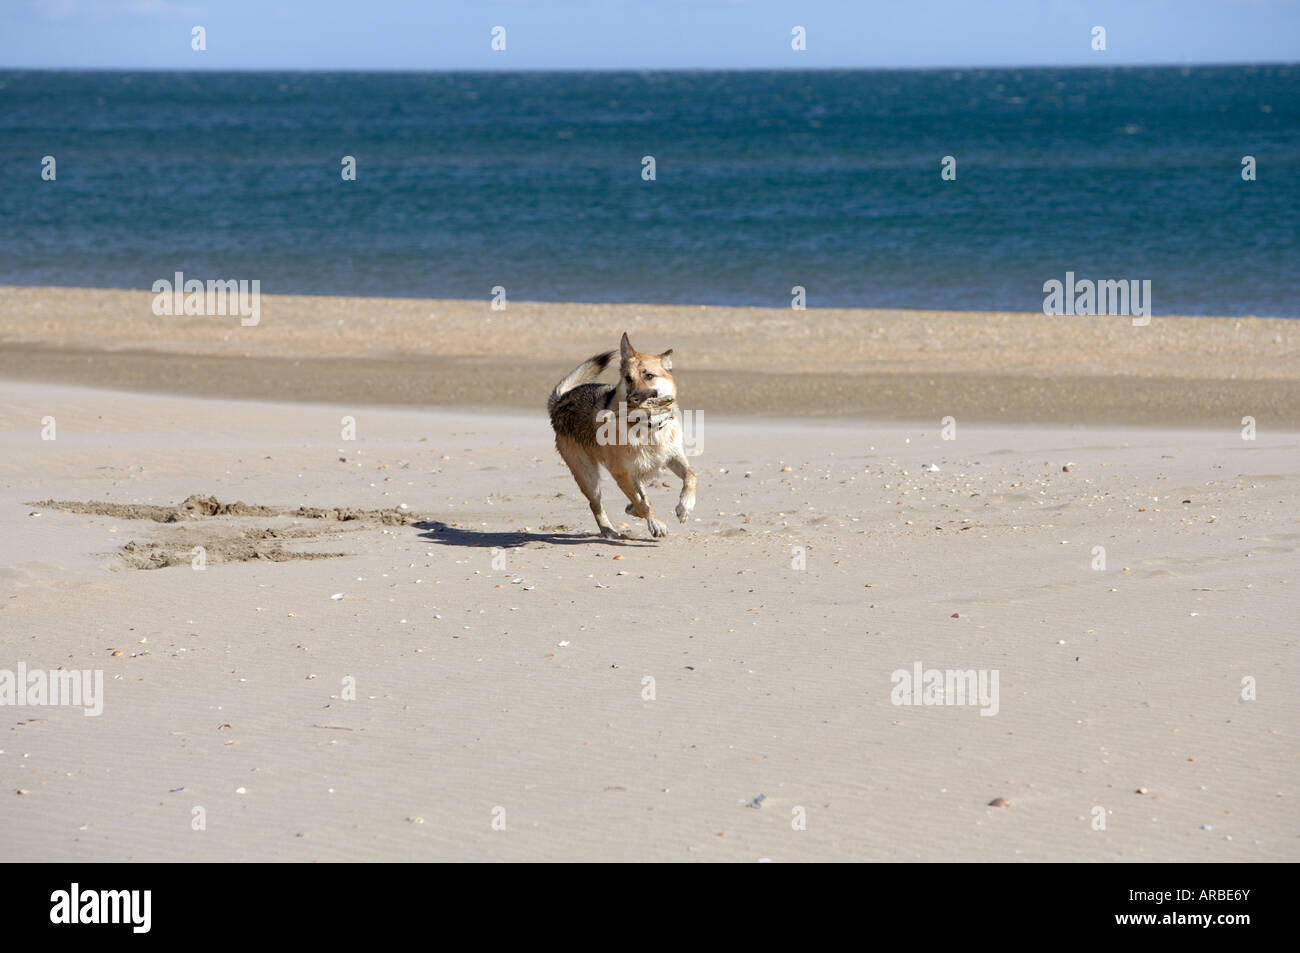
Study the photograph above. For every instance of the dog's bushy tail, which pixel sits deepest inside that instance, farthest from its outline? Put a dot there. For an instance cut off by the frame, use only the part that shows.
(585, 373)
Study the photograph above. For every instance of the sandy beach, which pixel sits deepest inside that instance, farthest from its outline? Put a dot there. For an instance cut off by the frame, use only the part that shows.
(409, 646)
(917, 366)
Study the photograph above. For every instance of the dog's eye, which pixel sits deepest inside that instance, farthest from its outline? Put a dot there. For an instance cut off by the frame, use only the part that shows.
(648, 377)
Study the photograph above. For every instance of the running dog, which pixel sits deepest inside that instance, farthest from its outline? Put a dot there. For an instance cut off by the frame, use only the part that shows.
(631, 428)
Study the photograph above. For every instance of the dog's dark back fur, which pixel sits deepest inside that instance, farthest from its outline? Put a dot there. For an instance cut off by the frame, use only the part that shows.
(573, 413)
(577, 399)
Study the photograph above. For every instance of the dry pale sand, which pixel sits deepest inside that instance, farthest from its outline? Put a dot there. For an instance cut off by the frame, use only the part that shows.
(487, 690)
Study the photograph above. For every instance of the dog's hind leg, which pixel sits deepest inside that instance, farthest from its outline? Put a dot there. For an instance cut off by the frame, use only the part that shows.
(586, 473)
(686, 502)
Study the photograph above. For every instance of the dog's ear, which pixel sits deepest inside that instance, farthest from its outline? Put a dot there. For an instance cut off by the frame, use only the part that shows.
(625, 349)
(666, 359)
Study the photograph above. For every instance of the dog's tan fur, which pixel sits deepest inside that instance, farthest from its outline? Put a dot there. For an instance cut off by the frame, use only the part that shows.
(640, 411)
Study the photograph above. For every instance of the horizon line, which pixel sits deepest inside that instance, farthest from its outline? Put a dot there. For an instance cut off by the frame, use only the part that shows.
(651, 69)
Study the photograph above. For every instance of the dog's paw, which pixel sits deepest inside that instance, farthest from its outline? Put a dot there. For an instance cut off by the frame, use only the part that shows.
(657, 527)
(608, 533)
(630, 509)
(684, 511)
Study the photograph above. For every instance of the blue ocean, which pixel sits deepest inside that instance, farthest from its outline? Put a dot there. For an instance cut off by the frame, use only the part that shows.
(536, 182)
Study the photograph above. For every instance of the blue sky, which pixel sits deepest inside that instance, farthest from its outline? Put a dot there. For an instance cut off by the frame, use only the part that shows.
(649, 34)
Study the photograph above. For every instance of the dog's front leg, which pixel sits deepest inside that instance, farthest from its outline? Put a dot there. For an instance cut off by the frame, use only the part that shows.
(686, 502)
(640, 503)
(657, 526)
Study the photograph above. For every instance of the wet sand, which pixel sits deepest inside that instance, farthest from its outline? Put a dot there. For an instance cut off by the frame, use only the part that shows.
(916, 366)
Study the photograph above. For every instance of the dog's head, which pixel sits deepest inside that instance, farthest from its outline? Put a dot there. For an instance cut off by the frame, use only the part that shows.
(646, 379)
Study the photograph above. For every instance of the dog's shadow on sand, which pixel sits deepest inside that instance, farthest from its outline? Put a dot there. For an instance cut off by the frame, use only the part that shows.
(454, 536)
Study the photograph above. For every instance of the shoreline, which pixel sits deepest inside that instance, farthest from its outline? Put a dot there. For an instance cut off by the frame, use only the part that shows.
(889, 365)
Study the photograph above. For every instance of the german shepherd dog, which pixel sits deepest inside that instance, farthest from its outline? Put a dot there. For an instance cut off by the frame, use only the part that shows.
(630, 428)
